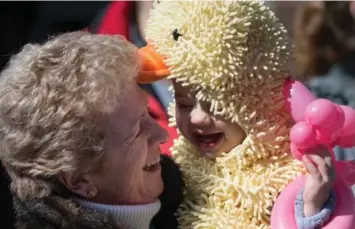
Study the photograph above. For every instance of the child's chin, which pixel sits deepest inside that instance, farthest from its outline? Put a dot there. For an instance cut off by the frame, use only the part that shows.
(209, 155)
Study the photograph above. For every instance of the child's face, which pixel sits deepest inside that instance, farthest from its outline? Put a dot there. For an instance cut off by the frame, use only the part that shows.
(211, 135)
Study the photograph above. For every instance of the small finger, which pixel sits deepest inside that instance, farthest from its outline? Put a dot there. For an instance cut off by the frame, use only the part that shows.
(324, 166)
(317, 160)
(324, 153)
(328, 155)
(310, 166)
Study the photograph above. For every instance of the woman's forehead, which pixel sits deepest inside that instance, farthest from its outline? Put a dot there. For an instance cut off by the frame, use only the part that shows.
(121, 126)
(135, 103)
(131, 109)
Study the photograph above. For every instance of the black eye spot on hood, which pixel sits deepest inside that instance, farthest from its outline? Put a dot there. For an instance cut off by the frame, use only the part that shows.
(176, 34)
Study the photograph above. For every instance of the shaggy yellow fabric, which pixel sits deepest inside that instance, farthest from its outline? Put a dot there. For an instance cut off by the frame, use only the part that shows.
(234, 54)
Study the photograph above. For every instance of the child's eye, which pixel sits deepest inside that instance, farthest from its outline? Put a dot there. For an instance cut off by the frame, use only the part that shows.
(185, 105)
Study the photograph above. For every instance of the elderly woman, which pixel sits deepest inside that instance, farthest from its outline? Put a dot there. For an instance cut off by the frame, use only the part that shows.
(77, 139)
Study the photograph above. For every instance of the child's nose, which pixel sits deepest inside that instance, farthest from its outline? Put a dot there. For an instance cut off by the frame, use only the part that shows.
(199, 116)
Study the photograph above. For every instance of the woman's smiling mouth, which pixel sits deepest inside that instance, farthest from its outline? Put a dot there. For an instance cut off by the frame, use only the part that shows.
(153, 165)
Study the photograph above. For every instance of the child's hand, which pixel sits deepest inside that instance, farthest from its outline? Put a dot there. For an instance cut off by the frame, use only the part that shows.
(319, 181)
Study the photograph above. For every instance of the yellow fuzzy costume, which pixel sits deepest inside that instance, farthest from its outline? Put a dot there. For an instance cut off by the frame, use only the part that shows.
(234, 54)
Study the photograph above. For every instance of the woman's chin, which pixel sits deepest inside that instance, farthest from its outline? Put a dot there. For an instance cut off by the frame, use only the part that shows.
(154, 182)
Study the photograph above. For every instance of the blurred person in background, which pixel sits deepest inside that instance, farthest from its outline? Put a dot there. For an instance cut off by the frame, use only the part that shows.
(324, 38)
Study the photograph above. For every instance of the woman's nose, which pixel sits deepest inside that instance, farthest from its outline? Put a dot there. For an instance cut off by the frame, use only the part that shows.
(159, 135)
(199, 116)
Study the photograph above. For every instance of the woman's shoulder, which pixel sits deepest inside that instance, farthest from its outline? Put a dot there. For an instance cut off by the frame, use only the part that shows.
(57, 213)
(63, 213)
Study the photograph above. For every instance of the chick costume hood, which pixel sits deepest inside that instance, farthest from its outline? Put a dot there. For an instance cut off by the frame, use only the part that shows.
(234, 54)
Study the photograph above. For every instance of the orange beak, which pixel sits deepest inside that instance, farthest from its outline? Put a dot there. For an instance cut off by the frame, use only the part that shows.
(153, 67)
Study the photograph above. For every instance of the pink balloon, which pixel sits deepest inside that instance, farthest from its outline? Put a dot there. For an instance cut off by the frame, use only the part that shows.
(349, 123)
(296, 153)
(346, 141)
(297, 97)
(340, 117)
(303, 135)
(347, 171)
(326, 136)
(328, 119)
(283, 214)
(319, 122)
(338, 125)
(321, 113)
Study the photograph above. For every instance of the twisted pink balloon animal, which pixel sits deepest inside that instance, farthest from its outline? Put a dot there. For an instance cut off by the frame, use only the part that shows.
(318, 122)
(323, 122)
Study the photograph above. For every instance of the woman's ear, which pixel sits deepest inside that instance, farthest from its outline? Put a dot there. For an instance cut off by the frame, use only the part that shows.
(79, 184)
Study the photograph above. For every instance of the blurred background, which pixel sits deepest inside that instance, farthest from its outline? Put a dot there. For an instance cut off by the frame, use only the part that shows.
(34, 21)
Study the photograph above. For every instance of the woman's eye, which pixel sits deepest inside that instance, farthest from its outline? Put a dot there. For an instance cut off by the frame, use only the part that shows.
(145, 126)
(138, 132)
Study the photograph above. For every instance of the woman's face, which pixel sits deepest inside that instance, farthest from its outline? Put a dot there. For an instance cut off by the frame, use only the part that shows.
(131, 172)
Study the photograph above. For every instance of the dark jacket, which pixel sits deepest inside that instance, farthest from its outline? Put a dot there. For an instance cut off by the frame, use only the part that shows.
(6, 214)
(56, 212)
(338, 85)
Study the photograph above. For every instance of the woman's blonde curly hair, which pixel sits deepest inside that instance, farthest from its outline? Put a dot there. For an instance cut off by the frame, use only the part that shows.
(53, 98)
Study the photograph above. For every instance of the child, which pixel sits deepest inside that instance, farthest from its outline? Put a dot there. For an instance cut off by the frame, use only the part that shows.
(228, 61)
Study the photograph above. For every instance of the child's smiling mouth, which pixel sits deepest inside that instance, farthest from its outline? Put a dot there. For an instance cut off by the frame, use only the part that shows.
(208, 142)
